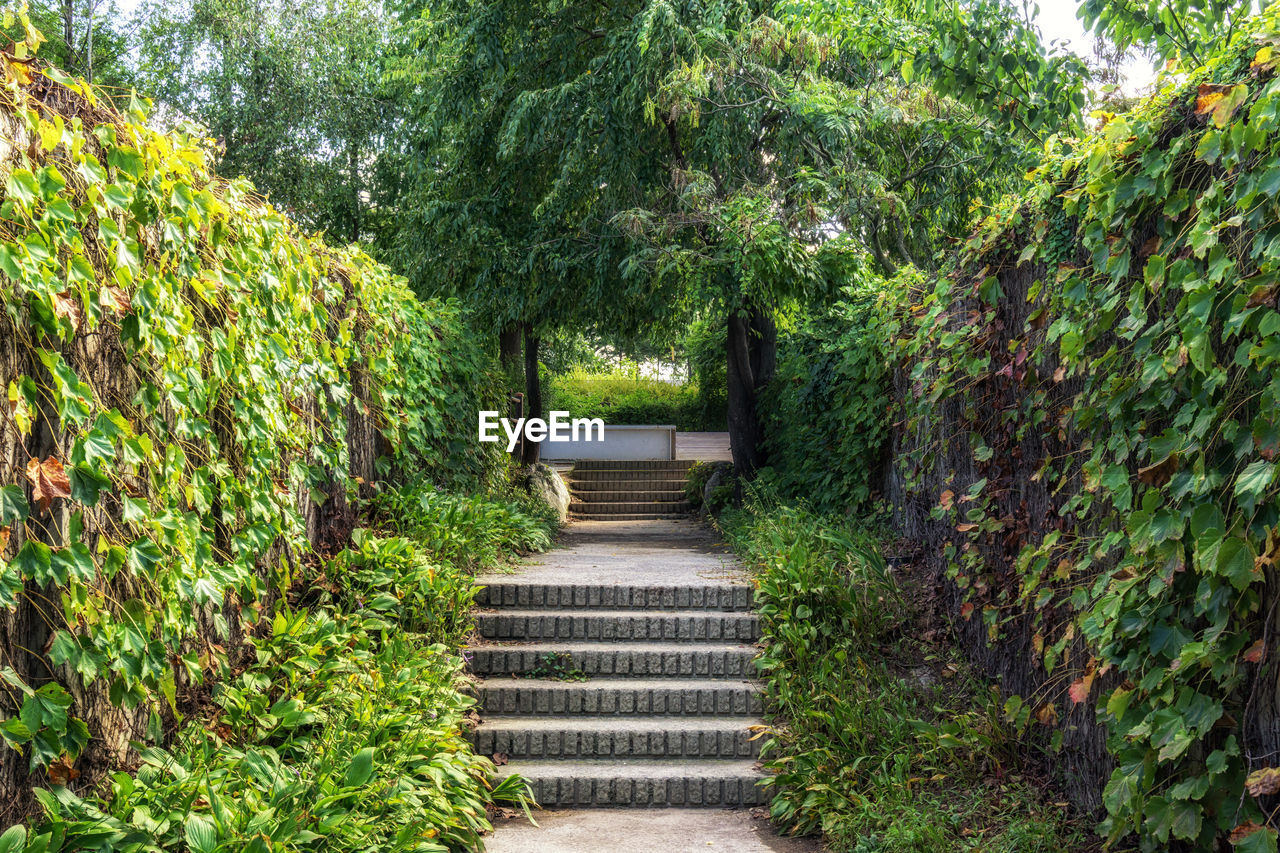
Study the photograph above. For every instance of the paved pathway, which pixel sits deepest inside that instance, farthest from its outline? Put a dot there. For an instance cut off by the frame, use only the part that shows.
(655, 613)
(703, 446)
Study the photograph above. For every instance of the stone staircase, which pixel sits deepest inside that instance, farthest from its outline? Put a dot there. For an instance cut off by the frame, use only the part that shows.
(621, 695)
(629, 491)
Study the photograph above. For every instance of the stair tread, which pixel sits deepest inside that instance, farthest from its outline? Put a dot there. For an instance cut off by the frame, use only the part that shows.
(630, 722)
(637, 646)
(615, 613)
(634, 768)
(604, 683)
(617, 514)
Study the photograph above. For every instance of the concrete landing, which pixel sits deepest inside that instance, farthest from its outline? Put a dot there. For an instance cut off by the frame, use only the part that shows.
(650, 552)
(631, 831)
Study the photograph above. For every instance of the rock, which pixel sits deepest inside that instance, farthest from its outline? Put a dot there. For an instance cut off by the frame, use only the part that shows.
(721, 474)
(548, 486)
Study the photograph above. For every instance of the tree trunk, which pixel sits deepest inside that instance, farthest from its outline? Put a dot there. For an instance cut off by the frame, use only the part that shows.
(69, 33)
(533, 392)
(509, 348)
(353, 174)
(751, 349)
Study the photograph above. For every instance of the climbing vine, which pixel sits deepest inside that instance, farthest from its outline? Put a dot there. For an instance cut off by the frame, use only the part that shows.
(1115, 337)
(188, 378)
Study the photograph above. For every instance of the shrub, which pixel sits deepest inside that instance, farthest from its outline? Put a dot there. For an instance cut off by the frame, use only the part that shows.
(877, 762)
(391, 576)
(343, 737)
(624, 399)
(826, 413)
(474, 532)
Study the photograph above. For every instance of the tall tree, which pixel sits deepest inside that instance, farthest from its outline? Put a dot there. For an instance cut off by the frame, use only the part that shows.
(623, 165)
(291, 90)
(86, 38)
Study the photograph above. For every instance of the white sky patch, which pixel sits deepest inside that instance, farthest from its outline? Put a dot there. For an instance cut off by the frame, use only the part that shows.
(1058, 23)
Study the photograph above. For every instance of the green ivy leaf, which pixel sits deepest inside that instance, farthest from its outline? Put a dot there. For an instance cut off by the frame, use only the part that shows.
(1254, 481)
(361, 769)
(1235, 562)
(13, 505)
(23, 186)
(1255, 839)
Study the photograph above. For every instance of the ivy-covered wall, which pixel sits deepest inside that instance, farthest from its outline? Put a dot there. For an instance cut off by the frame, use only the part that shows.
(1089, 411)
(195, 392)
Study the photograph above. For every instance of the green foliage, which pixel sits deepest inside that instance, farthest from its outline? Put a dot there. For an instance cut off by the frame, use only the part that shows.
(98, 46)
(44, 724)
(293, 93)
(696, 482)
(198, 361)
(472, 532)
(391, 577)
(619, 398)
(558, 666)
(827, 410)
(343, 736)
(1146, 367)
(873, 760)
(639, 164)
(1185, 31)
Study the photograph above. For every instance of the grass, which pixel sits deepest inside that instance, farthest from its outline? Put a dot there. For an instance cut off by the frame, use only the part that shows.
(622, 399)
(881, 740)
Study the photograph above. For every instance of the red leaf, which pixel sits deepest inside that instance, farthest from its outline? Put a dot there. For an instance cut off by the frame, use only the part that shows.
(61, 772)
(66, 304)
(1243, 831)
(1161, 472)
(1255, 653)
(48, 481)
(1079, 690)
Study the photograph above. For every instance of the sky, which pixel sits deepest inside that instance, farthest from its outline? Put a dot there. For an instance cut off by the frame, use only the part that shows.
(1057, 22)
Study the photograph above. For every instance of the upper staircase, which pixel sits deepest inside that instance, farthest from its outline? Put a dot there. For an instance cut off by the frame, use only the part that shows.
(629, 490)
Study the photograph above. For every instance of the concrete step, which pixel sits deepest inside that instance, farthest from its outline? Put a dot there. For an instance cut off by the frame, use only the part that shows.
(593, 497)
(637, 782)
(529, 596)
(659, 697)
(680, 465)
(618, 737)
(623, 660)
(624, 485)
(629, 507)
(613, 475)
(638, 516)
(609, 625)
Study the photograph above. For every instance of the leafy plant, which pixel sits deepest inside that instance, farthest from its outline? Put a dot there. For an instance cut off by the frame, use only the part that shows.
(827, 408)
(558, 666)
(859, 751)
(471, 532)
(392, 577)
(202, 382)
(343, 736)
(1103, 350)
